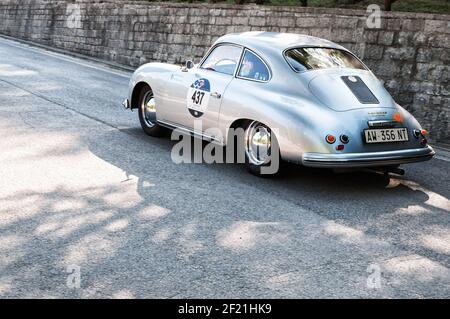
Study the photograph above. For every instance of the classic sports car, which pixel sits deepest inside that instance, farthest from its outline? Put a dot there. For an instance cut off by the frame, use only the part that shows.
(326, 107)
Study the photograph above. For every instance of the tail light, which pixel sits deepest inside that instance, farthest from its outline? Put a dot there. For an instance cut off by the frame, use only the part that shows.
(330, 139)
(418, 133)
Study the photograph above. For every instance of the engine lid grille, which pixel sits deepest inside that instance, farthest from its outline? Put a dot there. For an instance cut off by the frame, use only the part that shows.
(360, 89)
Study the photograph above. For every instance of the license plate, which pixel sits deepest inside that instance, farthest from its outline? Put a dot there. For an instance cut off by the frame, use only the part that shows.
(386, 135)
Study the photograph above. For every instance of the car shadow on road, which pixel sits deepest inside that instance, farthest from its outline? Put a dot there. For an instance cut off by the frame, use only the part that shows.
(389, 207)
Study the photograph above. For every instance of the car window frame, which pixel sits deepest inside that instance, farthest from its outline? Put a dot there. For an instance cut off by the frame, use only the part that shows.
(321, 47)
(211, 50)
(261, 59)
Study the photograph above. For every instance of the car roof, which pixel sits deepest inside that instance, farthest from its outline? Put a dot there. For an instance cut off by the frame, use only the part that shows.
(261, 40)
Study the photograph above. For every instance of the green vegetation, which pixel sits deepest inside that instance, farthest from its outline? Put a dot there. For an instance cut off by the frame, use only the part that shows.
(435, 6)
(430, 6)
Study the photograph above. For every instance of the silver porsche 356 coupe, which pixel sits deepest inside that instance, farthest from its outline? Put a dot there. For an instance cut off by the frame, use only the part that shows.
(316, 100)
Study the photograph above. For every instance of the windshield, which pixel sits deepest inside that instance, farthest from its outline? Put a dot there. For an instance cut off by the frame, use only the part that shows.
(302, 59)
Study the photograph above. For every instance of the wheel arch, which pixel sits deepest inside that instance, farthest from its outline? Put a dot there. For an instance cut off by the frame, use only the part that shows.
(242, 122)
(134, 103)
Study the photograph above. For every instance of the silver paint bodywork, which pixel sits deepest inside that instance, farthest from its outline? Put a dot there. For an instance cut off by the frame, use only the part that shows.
(301, 108)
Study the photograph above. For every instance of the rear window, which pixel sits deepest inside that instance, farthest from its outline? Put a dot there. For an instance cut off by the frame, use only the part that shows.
(303, 59)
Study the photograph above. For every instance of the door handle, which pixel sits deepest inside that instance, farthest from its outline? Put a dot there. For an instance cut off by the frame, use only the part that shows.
(216, 95)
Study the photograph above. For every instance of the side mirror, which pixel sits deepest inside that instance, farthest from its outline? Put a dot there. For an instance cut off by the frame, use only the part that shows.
(187, 65)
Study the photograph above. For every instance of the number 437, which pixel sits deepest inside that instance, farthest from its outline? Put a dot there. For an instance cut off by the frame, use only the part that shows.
(197, 97)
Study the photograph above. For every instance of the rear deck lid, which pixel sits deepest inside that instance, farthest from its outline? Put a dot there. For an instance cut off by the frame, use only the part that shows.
(344, 90)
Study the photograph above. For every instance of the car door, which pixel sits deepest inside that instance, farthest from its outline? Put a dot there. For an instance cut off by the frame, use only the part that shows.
(197, 93)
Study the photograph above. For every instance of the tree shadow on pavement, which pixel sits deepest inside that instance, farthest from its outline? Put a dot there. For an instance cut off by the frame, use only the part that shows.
(164, 230)
(396, 210)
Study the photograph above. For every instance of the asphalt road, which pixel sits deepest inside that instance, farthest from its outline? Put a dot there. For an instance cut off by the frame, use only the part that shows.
(82, 186)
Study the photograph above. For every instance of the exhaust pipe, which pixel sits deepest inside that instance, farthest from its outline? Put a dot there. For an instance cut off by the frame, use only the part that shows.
(387, 170)
(395, 170)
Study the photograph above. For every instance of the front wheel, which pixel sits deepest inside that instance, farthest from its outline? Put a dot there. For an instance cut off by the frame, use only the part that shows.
(147, 113)
(262, 155)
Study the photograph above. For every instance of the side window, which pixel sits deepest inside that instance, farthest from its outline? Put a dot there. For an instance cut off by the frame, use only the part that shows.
(223, 59)
(253, 68)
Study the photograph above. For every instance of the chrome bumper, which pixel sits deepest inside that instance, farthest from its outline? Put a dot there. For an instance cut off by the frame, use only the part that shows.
(126, 104)
(368, 159)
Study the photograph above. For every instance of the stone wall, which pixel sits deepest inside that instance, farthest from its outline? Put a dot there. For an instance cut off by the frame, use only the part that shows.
(410, 52)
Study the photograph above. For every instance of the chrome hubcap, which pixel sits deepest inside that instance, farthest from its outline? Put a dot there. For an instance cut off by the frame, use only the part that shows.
(148, 109)
(257, 142)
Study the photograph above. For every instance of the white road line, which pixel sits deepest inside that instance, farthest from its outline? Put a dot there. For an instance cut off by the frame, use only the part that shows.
(60, 56)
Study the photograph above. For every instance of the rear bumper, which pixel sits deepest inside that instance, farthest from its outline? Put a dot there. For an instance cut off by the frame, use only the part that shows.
(368, 159)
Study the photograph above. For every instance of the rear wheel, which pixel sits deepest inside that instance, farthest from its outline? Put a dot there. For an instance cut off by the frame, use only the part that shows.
(147, 113)
(262, 155)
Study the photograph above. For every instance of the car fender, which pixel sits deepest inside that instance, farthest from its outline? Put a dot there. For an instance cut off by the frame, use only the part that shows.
(154, 74)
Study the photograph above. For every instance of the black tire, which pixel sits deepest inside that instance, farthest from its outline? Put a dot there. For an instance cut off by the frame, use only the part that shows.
(273, 164)
(150, 126)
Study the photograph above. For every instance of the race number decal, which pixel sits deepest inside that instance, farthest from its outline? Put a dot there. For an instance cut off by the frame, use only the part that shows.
(198, 97)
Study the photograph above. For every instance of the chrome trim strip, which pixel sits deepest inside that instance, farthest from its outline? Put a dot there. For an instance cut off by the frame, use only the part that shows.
(382, 123)
(173, 126)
